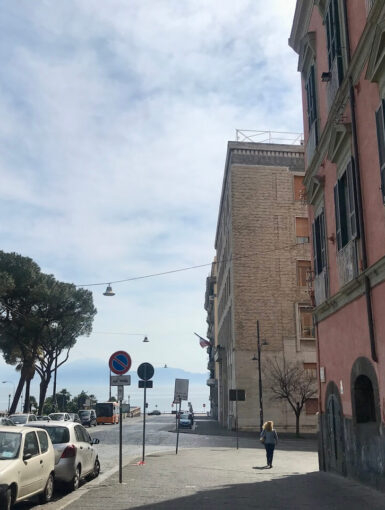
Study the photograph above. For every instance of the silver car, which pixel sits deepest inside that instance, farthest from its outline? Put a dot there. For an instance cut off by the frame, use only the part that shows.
(75, 454)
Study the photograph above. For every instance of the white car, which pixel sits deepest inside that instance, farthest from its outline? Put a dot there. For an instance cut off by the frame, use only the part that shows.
(76, 456)
(60, 417)
(27, 461)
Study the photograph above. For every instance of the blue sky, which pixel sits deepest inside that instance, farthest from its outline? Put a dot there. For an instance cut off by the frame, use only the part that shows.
(115, 117)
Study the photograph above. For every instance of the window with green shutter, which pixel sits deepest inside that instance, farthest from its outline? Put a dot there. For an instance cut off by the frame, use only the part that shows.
(345, 201)
(333, 37)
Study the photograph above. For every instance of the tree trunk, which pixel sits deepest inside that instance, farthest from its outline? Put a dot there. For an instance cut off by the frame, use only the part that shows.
(26, 397)
(297, 415)
(18, 392)
(44, 383)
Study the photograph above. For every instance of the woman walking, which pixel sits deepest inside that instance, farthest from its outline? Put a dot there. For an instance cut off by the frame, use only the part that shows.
(269, 438)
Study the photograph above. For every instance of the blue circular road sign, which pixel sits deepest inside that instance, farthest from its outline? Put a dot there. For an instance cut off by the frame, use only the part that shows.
(120, 362)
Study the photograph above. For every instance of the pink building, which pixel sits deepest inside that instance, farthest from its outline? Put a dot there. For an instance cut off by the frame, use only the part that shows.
(341, 48)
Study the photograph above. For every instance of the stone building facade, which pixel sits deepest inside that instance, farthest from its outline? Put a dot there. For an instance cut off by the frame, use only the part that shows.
(340, 44)
(263, 256)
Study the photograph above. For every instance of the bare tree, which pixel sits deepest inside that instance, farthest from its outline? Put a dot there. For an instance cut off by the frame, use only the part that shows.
(291, 382)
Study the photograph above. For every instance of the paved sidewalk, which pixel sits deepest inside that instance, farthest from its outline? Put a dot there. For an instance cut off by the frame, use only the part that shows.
(221, 478)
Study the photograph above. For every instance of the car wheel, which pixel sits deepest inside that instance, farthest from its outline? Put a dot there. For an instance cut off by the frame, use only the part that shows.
(96, 470)
(6, 499)
(46, 495)
(74, 483)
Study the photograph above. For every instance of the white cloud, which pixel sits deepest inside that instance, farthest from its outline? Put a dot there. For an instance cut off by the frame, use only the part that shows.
(115, 119)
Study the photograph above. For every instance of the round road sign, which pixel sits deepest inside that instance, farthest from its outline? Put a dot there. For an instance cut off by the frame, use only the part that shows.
(120, 362)
(145, 371)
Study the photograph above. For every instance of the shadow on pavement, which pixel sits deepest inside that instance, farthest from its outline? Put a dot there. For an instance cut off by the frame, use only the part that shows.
(296, 492)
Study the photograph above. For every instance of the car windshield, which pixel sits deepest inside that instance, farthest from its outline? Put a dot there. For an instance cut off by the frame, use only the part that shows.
(56, 416)
(84, 414)
(9, 445)
(184, 417)
(58, 435)
(19, 418)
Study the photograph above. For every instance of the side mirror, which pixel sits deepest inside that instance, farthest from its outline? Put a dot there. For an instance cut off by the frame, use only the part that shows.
(95, 441)
(27, 456)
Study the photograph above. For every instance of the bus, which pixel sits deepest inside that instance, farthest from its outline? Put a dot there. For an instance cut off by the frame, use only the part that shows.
(107, 412)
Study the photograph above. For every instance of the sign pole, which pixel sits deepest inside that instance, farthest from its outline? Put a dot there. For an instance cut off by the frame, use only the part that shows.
(144, 422)
(177, 429)
(120, 439)
(236, 421)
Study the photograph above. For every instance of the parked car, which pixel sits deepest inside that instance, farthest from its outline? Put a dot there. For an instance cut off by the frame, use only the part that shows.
(43, 418)
(185, 421)
(21, 419)
(155, 411)
(88, 417)
(59, 416)
(76, 456)
(6, 422)
(75, 417)
(27, 461)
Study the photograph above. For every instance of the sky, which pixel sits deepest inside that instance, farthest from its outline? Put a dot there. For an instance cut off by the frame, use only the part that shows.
(115, 117)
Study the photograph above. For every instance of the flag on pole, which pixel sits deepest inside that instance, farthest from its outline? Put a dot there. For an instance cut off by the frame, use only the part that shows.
(202, 341)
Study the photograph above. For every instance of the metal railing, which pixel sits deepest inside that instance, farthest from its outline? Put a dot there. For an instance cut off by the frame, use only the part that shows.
(277, 137)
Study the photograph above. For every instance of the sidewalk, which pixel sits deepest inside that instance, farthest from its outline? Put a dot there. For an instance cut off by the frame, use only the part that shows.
(216, 478)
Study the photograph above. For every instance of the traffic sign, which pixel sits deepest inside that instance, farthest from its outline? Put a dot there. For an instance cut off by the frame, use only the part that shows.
(120, 393)
(117, 380)
(145, 371)
(181, 390)
(120, 362)
(145, 384)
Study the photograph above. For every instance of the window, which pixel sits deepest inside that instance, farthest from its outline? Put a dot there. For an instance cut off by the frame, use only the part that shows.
(346, 207)
(333, 37)
(302, 230)
(310, 369)
(43, 439)
(380, 123)
(299, 188)
(311, 406)
(319, 244)
(303, 270)
(31, 445)
(306, 322)
(364, 399)
(311, 101)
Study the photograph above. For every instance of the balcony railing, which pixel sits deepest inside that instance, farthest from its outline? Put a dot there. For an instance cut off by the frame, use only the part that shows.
(311, 143)
(347, 263)
(321, 287)
(334, 82)
(369, 5)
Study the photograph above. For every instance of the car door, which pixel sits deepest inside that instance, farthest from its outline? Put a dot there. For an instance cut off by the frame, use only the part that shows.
(83, 450)
(46, 454)
(30, 479)
(90, 452)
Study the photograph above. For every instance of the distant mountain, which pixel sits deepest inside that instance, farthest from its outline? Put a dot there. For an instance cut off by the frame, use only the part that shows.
(95, 372)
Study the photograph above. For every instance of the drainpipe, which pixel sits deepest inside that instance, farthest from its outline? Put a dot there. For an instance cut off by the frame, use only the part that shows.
(357, 173)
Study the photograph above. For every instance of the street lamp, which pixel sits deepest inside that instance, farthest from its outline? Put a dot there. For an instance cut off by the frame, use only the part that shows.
(254, 358)
(54, 326)
(9, 395)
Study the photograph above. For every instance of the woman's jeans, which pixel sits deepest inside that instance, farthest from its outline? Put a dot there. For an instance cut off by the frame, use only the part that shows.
(269, 452)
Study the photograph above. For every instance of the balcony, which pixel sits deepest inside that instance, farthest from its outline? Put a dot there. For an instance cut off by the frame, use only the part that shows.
(311, 143)
(347, 263)
(369, 5)
(335, 80)
(211, 382)
(321, 285)
(211, 365)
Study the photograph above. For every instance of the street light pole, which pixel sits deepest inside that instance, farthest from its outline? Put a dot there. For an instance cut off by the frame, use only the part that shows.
(9, 395)
(260, 379)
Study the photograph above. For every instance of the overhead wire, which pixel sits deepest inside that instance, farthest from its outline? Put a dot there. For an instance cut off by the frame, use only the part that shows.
(189, 268)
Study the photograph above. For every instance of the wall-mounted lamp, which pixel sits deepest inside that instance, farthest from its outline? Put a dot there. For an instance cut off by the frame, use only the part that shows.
(325, 77)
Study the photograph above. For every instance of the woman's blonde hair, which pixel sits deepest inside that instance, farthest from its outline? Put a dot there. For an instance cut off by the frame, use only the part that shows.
(268, 426)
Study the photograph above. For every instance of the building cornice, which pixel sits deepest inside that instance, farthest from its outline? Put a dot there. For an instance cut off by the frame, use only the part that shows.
(301, 22)
(351, 291)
